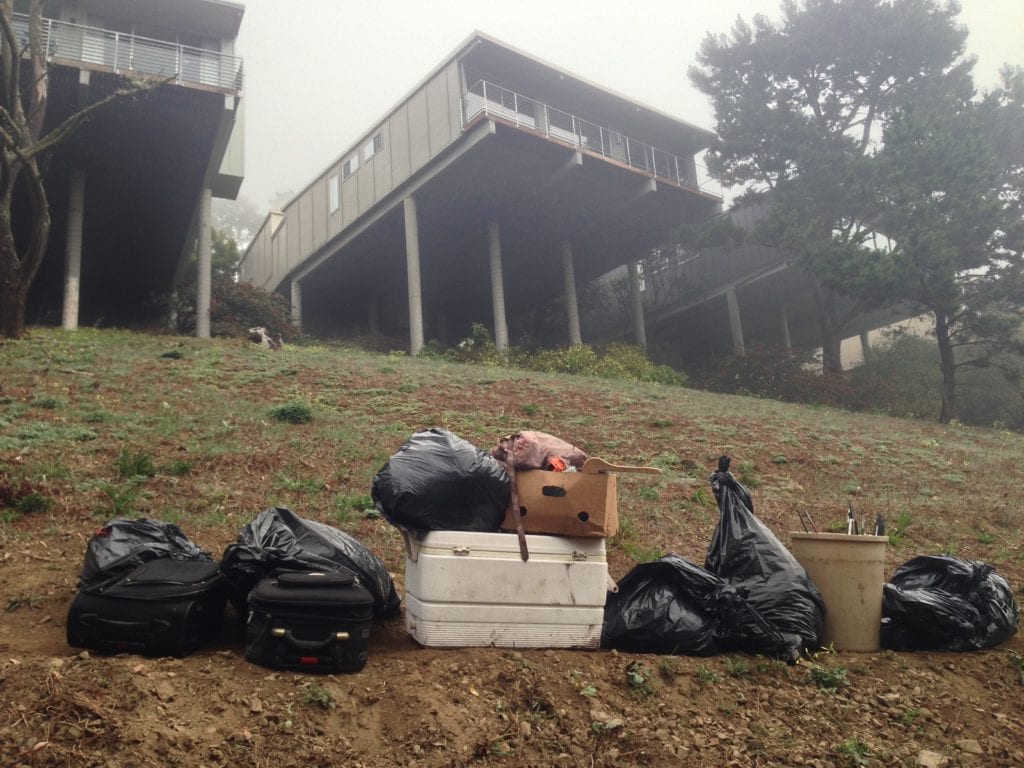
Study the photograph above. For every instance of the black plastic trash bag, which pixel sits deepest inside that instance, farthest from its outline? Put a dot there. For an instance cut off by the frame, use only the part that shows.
(439, 482)
(279, 540)
(943, 603)
(120, 546)
(674, 606)
(666, 606)
(745, 553)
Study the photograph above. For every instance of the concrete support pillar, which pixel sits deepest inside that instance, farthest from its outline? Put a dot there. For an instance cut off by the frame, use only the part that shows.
(73, 250)
(297, 304)
(497, 286)
(412, 268)
(373, 315)
(571, 306)
(787, 342)
(636, 305)
(865, 345)
(735, 325)
(205, 276)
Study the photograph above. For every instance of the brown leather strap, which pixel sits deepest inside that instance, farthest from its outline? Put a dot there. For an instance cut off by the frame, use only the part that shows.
(510, 468)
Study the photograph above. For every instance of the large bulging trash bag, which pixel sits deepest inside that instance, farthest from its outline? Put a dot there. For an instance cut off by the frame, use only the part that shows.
(116, 549)
(746, 554)
(938, 602)
(280, 540)
(439, 482)
(666, 606)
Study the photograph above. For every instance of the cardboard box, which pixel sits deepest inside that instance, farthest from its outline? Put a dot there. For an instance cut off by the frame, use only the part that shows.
(577, 504)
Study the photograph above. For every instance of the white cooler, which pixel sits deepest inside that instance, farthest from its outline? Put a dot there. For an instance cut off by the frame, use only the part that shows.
(464, 588)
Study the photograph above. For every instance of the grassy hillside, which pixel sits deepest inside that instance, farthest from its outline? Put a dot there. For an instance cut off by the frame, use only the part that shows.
(76, 410)
(102, 424)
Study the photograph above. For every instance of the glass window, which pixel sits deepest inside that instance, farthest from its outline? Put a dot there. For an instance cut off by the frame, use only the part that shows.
(332, 193)
(373, 146)
(351, 166)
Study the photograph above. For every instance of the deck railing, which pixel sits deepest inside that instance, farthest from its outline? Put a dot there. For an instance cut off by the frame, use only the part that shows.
(486, 98)
(123, 52)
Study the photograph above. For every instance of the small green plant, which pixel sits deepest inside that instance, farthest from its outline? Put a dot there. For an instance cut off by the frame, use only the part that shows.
(855, 750)
(173, 354)
(179, 467)
(33, 503)
(986, 538)
(667, 668)
(737, 666)
(48, 401)
(121, 499)
(910, 715)
(530, 409)
(706, 676)
(1017, 662)
(829, 679)
(639, 679)
(293, 413)
(589, 691)
(318, 696)
(130, 464)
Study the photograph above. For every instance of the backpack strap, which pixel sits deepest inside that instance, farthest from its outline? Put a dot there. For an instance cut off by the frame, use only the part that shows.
(510, 468)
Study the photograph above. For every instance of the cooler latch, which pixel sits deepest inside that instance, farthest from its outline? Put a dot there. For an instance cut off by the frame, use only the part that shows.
(461, 551)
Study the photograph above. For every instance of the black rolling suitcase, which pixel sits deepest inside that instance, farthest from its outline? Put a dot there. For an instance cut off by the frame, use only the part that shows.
(164, 607)
(313, 622)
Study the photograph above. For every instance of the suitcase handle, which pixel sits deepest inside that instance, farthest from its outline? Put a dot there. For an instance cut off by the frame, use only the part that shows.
(94, 620)
(308, 645)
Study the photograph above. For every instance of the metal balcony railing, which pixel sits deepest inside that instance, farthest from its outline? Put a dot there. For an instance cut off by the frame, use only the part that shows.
(525, 113)
(122, 52)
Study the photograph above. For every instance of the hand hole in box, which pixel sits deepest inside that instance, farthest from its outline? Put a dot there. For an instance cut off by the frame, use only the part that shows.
(583, 516)
(552, 490)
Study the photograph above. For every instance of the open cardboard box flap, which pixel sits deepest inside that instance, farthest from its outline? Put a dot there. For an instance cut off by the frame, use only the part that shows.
(580, 504)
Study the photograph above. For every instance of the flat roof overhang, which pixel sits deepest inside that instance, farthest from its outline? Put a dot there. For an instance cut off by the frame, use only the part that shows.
(144, 160)
(541, 192)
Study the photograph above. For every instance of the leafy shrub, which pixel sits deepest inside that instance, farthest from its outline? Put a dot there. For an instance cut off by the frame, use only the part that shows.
(234, 309)
(293, 413)
(578, 359)
(479, 348)
(769, 372)
(131, 464)
(23, 497)
(900, 378)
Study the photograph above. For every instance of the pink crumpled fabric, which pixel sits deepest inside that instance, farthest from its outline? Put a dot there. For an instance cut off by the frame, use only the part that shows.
(539, 450)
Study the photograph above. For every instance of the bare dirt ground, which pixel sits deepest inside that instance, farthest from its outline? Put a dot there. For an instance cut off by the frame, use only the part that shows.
(412, 706)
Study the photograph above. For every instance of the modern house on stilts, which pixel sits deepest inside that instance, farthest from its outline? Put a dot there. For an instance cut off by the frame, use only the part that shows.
(499, 184)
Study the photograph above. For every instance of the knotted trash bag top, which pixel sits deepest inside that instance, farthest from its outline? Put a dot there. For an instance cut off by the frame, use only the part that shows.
(120, 546)
(279, 540)
(437, 481)
(944, 603)
(745, 553)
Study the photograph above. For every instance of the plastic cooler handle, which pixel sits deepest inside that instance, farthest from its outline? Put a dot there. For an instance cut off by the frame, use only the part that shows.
(308, 645)
(153, 625)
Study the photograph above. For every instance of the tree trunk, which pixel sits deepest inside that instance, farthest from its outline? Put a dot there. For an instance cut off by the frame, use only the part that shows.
(830, 329)
(947, 364)
(12, 308)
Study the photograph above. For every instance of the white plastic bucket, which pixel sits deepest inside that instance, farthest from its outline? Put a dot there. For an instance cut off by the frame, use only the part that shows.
(849, 571)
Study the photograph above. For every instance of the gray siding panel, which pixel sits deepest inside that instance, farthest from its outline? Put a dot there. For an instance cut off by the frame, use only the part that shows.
(438, 114)
(365, 187)
(454, 100)
(382, 166)
(419, 131)
(293, 226)
(306, 243)
(334, 220)
(398, 133)
(349, 199)
(320, 212)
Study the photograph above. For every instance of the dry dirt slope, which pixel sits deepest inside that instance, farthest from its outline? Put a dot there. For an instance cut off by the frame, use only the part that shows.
(71, 406)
